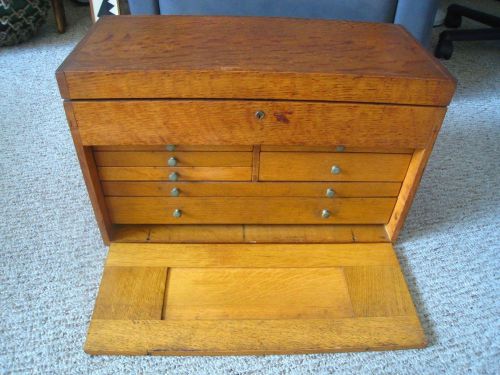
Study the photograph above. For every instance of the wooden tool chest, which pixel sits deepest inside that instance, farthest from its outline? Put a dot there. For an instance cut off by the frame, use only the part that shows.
(250, 176)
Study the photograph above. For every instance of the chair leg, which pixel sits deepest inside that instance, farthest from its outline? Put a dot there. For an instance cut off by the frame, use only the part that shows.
(455, 13)
(444, 48)
(58, 7)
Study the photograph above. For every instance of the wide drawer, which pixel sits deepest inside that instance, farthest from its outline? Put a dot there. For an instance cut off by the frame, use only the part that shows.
(175, 173)
(172, 147)
(179, 159)
(317, 166)
(249, 210)
(250, 189)
(236, 122)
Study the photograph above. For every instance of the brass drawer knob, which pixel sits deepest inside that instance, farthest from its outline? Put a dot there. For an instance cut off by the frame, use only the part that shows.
(325, 214)
(336, 169)
(174, 176)
(172, 162)
(175, 192)
(330, 193)
(177, 213)
(171, 147)
(259, 115)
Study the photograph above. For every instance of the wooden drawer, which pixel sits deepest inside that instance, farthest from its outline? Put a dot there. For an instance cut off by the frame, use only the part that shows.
(317, 166)
(179, 159)
(182, 173)
(170, 147)
(338, 148)
(249, 210)
(234, 122)
(250, 189)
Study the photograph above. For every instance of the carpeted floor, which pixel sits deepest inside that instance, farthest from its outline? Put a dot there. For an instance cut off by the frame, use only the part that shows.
(52, 256)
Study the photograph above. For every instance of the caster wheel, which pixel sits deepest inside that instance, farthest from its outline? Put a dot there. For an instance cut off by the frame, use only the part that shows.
(444, 49)
(452, 20)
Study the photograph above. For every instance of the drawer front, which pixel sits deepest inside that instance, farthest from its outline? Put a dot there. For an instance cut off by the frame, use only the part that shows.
(250, 189)
(338, 148)
(179, 159)
(173, 147)
(297, 166)
(236, 122)
(176, 173)
(248, 210)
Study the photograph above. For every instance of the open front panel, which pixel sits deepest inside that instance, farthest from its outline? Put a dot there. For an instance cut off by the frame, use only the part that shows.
(252, 299)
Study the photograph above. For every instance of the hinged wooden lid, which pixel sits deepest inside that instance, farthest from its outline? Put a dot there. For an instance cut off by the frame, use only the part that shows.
(257, 58)
(192, 299)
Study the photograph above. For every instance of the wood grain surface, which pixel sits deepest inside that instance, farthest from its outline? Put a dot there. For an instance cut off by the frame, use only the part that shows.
(183, 159)
(250, 189)
(215, 57)
(410, 185)
(183, 173)
(91, 177)
(304, 166)
(256, 293)
(338, 148)
(233, 233)
(178, 148)
(233, 122)
(250, 299)
(249, 210)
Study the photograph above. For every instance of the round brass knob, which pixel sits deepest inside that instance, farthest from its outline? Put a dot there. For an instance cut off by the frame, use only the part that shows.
(336, 169)
(259, 115)
(325, 214)
(175, 192)
(177, 213)
(172, 162)
(330, 193)
(171, 147)
(174, 176)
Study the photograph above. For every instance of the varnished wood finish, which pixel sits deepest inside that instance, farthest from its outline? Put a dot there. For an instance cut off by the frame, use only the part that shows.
(256, 293)
(409, 187)
(338, 148)
(255, 163)
(315, 233)
(250, 233)
(256, 298)
(184, 173)
(250, 210)
(251, 255)
(152, 57)
(183, 159)
(91, 178)
(249, 189)
(233, 122)
(134, 293)
(252, 266)
(178, 148)
(303, 166)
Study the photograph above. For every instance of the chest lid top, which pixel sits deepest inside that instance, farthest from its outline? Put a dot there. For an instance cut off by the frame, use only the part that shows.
(252, 58)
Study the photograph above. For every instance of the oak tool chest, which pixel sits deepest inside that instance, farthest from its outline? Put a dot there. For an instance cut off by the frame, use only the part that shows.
(250, 176)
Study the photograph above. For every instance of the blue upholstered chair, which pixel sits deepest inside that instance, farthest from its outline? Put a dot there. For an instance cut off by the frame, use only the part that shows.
(416, 15)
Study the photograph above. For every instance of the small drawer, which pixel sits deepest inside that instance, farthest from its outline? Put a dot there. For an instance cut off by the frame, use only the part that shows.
(216, 148)
(319, 166)
(175, 174)
(338, 148)
(250, 189)
(172, 159)
(249, 210)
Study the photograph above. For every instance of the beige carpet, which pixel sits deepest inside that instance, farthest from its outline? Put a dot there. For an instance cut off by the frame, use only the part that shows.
(51, 254)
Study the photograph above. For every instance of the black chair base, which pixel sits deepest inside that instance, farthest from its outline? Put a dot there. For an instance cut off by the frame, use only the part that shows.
(454, 14)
